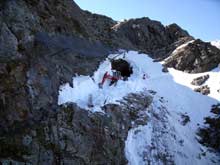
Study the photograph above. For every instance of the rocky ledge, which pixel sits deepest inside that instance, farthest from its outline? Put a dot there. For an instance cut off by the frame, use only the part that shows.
(74, 135)
(205, 90)
(194, 57)
(200, 80)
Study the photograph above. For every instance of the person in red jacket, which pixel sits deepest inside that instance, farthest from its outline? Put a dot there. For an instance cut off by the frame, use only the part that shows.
(114, 78)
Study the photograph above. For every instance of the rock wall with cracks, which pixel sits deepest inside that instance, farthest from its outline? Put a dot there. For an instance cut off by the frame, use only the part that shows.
(77, 136)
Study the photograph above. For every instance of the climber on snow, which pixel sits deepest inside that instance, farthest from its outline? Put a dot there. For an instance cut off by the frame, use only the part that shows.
(116, 75)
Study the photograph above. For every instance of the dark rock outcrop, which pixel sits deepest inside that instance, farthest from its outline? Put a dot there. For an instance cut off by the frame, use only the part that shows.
(36, 59)
(194, 57)
(205, 90)
(165, 52)
(175, 32)
(185, 119)
(210, 135)
(148, 36)
(200, 80)
(42, 45)
(76, 136)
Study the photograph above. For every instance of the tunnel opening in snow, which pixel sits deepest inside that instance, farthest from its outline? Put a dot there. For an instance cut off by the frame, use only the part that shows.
(122, 66)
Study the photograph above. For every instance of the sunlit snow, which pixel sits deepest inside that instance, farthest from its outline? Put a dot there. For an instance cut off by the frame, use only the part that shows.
(176, 89)
(216, 43)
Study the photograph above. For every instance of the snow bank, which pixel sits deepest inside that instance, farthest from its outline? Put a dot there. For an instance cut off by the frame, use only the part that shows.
(85, 85)
(216, 43)
(164, 140)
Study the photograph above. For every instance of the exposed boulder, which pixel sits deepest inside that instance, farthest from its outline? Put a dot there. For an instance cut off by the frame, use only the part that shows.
(205, 90)
(194, 57)
(200, 80)
(163, 53)
(185, 119)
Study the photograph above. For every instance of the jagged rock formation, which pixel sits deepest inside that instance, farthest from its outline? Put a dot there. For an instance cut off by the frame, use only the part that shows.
(41, 47)
(149, 36)
(194, 57)
(200, 80)
(76, 136)
(205, 90)
(36, 58)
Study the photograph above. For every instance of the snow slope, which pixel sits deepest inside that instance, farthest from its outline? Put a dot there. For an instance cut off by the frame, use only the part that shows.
(163, 135)
(85, 86)
(216, 43)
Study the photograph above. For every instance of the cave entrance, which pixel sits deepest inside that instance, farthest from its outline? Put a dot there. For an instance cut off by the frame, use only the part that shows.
(123, 67)
(120, 69)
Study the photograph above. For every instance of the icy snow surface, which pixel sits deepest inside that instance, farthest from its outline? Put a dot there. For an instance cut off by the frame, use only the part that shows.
(166, 133)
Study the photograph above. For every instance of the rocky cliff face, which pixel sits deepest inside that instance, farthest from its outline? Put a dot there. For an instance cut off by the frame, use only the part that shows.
(195, 57)
(42, 45)
(149, 36)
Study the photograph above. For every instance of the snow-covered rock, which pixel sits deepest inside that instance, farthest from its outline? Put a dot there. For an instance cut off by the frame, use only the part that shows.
(163, 139)
(194, 57)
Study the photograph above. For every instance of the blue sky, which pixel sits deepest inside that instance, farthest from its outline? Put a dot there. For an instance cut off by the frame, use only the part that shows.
(201, 18)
